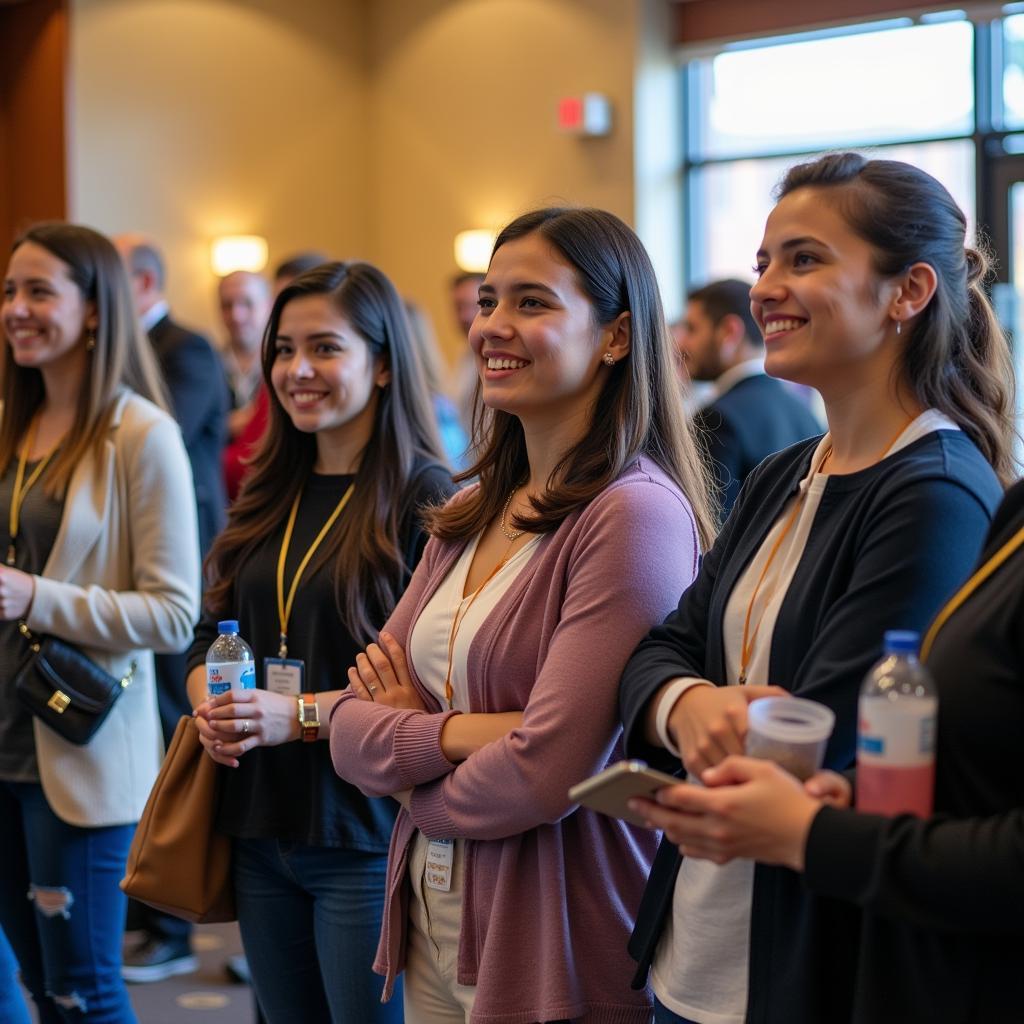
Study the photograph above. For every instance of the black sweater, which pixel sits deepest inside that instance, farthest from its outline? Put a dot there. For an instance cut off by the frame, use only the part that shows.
(943, 932)
(291, 792)
(887, 547)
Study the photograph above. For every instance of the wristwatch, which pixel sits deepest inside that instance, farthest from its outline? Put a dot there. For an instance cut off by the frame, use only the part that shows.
(309, 717)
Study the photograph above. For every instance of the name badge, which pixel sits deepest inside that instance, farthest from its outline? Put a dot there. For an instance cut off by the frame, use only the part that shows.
(284, 676)
(437, 872)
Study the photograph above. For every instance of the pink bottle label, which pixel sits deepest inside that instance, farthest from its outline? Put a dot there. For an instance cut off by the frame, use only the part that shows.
(898, 789)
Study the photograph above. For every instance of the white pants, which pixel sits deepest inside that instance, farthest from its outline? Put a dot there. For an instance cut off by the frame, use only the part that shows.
(433, 994)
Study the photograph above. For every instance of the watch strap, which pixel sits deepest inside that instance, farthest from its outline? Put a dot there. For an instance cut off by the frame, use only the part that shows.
(309, 717)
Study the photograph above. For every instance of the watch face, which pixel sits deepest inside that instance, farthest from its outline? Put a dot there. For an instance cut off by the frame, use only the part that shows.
(310, 715)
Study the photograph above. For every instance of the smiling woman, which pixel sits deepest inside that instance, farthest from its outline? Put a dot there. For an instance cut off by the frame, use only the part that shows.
(493, 690)
(318, 547)
(101, 553)
(865, 291)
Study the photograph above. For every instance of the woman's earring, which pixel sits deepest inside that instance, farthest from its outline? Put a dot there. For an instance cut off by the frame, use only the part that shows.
(609, 359)
(90, 338)
(899, 327)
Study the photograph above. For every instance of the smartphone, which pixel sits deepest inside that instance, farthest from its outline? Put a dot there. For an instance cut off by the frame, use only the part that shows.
(609, 790)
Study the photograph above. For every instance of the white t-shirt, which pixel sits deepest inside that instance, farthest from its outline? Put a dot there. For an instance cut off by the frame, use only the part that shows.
(701, 966)
(428, 645)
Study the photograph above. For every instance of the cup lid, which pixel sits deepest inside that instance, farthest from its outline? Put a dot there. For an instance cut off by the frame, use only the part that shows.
(791, 719)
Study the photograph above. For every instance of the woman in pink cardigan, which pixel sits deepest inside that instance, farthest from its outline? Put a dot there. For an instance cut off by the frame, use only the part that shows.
(494, 686)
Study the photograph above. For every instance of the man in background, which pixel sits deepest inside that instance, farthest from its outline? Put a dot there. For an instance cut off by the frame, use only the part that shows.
(199, 399)
(244, 300)
(749, 415)
(465, 296)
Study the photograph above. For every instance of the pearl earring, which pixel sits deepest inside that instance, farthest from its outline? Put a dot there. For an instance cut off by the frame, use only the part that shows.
(899, 326)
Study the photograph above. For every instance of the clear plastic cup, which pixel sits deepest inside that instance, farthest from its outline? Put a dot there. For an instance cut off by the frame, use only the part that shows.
(790, 731)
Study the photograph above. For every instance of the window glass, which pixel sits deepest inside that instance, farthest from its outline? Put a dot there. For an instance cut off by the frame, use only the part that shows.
(1013, 71)
(864, 88)
(730, 202)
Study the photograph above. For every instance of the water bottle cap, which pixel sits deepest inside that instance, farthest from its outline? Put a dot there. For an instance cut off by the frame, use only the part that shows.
(901, 641)
(228, 626)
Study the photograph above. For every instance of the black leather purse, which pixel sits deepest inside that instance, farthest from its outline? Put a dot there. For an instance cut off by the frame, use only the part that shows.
(65, 689)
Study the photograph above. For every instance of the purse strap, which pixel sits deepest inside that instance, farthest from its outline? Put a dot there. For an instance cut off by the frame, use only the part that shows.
(35, 643)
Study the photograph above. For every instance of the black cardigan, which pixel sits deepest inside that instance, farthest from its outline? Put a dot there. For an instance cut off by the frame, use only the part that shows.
(943, 932)
(887, 547)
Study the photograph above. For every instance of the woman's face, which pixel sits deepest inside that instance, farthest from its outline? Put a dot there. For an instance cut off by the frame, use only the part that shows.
(822, 308)
(44, 314)
(324, 372)
(535, 338)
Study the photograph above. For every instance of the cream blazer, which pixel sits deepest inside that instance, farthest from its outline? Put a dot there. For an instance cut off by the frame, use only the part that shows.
(122, 581)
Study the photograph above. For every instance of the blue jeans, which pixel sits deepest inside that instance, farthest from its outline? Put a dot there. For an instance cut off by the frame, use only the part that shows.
(62, 910)
(663, 1015)
(310, 918)
(12, 1006)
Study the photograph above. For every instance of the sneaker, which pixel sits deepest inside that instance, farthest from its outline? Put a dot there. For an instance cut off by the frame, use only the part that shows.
(157, 959)
(237, 969)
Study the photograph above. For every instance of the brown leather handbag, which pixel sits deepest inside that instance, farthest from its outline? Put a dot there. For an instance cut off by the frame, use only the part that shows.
(178, 863)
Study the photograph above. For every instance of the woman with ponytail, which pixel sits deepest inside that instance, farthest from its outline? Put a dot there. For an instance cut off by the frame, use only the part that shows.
(867, 292)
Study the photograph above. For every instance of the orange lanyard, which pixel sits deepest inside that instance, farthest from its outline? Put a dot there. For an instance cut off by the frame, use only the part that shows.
(460, 616)
(969, 588)
(23, 486)
(750, 638)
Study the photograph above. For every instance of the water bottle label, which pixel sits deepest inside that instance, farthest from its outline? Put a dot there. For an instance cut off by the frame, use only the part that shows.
(239, 675)
(897, 732)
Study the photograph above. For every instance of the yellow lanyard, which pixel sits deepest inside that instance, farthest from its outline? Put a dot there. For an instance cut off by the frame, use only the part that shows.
(23, 486)
(284, 605)
(969, 588)
(750, 638)
(460, 616)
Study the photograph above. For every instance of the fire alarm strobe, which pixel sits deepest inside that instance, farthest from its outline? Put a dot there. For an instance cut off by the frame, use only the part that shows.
(589, 115)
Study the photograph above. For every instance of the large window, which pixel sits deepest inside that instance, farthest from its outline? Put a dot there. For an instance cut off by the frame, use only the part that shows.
(904, 90)
(943, 91)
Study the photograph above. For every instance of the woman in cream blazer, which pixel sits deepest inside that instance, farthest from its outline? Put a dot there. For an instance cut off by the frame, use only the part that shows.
(95, 492)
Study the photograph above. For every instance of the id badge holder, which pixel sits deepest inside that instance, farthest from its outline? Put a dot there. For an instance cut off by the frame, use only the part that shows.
(437, 871)
(284, 676)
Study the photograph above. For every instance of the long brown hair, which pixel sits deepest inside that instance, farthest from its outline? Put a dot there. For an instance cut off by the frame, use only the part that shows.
(364, 544)
(638, 412)
(956, 357)
(119, 357)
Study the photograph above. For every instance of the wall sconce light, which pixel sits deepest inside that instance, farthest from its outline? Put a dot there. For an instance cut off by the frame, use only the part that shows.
(473, 249)
(238, 252)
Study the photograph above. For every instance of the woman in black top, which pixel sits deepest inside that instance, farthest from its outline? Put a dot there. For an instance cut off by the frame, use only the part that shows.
(317, 549)
(943, 933)
(867, 292)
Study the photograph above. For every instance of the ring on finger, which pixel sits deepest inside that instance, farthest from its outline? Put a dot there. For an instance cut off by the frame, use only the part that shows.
(371, 688)
(245, 726)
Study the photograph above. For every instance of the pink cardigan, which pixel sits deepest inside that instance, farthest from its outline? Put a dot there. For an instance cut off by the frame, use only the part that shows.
(550, 889)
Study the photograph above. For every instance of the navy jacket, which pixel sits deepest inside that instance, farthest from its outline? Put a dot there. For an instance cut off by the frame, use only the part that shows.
(199, 396)
(889, 544)
(755, 418)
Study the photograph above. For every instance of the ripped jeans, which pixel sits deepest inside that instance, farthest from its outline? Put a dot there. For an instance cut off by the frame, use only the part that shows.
(62, 910)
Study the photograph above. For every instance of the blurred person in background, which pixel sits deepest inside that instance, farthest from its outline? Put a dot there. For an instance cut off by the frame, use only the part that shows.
(195, 384)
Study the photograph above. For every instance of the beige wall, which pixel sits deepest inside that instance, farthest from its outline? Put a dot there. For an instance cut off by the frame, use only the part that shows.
(377, 128)
(194, 118)
(463, 95)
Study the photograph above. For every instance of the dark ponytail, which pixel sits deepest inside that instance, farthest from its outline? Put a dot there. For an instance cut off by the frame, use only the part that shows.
(956, 358)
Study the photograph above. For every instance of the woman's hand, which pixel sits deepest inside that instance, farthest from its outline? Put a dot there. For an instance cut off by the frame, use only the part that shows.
(708, 723)
(750, 808)
(17, 589)
(382, 675)
(239, 720)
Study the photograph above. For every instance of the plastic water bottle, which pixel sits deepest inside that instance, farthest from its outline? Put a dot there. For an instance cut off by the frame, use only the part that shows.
(896, 732)
(229, 661)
